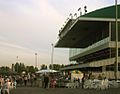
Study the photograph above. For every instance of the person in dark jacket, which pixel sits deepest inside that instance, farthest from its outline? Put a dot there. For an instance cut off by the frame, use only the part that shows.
(46, 81)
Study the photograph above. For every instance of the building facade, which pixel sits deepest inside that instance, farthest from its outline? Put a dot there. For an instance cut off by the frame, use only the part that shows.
(92, 41)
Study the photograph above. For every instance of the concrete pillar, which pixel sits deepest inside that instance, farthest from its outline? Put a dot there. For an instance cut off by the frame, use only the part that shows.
(103, 68)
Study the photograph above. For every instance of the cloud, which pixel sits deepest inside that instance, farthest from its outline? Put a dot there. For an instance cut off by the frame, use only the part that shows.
(29, 24)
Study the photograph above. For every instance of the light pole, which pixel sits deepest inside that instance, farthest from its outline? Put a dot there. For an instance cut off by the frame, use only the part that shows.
(116, 22)
(36, 60)
(71, 16)
(80, 11)
(75, 15)
(52, 56)
(17, 63)
(85, 9)
(17, 58)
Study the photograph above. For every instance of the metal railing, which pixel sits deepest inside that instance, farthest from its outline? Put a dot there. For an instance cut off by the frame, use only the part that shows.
(77, 51)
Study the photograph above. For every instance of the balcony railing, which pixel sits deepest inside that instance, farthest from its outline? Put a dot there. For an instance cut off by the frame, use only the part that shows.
(77, 51)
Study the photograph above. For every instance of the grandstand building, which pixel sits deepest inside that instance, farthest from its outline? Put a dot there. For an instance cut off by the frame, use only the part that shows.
(92, 41)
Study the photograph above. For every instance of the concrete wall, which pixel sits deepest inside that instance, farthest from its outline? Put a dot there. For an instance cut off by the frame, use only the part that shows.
(108, 74)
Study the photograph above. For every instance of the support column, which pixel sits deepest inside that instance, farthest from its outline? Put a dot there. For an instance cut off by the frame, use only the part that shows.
(116, 59)
(103, 68)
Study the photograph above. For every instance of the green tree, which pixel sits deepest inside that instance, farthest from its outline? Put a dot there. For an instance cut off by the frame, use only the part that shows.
(20, 67)
(36, 69)
(43, 66)
(16, 67)
(4, 70)
(62, 66)
(31, 69)
(56, 66)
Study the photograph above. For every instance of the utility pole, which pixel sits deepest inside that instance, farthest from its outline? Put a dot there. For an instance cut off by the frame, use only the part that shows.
(52, 56)
(36, 60)
(17, 62)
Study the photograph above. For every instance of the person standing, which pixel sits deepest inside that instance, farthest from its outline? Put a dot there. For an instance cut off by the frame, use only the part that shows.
(46, 81)
(25, 80)
(53, 83)
(42, 81)
(31, 80)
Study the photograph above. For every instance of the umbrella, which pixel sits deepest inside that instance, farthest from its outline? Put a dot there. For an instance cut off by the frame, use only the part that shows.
(46, 71)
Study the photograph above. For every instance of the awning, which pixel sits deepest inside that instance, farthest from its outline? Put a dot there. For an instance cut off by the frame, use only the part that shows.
(81, 33)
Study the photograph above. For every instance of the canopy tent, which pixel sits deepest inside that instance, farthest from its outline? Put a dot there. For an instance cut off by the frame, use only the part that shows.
(46, 71)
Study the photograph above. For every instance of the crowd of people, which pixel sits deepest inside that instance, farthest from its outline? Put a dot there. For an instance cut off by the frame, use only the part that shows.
(11, 82)
(50, 81)
(26, 80)
(7, 83)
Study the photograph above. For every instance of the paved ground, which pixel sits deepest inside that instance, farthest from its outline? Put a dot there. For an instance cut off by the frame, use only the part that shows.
(36, 90)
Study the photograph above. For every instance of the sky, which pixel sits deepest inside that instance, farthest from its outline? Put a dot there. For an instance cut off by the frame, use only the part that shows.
(31, 26)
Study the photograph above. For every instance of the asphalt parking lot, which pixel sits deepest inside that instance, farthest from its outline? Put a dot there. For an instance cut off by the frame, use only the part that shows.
(37, 90)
